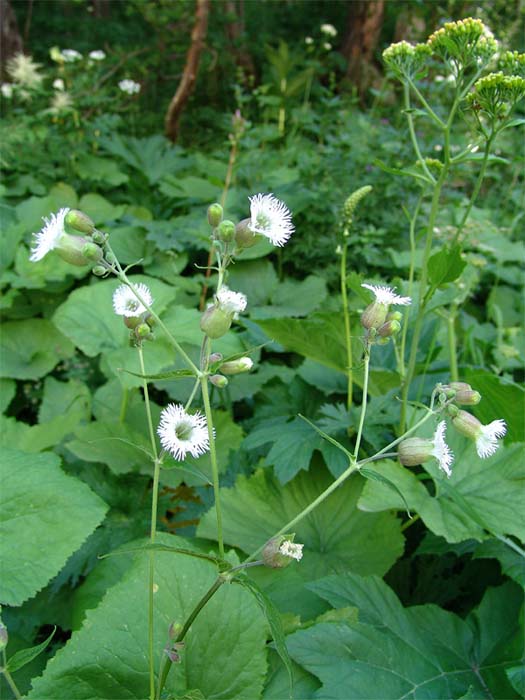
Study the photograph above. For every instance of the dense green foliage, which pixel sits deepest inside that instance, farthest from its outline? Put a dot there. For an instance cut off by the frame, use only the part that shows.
(411, 583)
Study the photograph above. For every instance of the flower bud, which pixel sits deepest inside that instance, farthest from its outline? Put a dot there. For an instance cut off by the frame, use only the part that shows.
(394, 316)
(459, 386)
(374, 316)
(467, 424)
(243, 364)
(215, 357)
(467, 397)
(111, 258)
(244, 236)
(99, 237)
(389, 328)
(70, 249)
(219, 381)
(4, 637)
(142, 330)
(215, 322)
(214, 215)
(79, 221)
(132, 321)
(414, 451)
(226, 231)
(279, 551)
(99, 270)
(91, 251)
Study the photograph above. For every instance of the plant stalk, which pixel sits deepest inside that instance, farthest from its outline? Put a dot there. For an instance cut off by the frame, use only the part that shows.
(348, 335)
(213, 458)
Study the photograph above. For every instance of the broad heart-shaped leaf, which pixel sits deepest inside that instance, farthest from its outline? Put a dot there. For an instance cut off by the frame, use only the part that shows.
(482, 494)
(445, 266)
(30, 349)
(88, 320)
(410, 653)
(336, 536)
(45, 517)
(224, 656)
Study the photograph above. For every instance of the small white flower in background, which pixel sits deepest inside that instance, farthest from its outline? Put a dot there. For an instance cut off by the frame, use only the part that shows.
(71, 55)
(58, 84)
(328, 29)
(125, 303)
(308, 40)
(97, 55)
(7, 90)
(441, 451)
(231, 302)
(271, 218)
(24, 71)
(327, 46)
(485, 436)
(292, 549)
(61, 102)
(386, 295)
(129, 86)
(49, 236)
(181, 433)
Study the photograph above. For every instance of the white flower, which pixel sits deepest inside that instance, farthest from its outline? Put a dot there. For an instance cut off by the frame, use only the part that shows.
(271, 218)
(385, 295)
(125, 303)
(231, 302)
(308, 40)
(70, 55)
(292, 549)
(49, 236)
(181, 432)
(441, 451)
(129, 86)
(7, 90)
(487, 438)
(328, 29)
(24, 71)
(61, 102)
(327, 46)
(58, 84)
(97, 55)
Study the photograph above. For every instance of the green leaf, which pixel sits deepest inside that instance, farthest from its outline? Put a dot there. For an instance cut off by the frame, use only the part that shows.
(60, 399)
(336, 535)
(512, 562)
(25, 656)
(224, 656)
(7, 393)
(293, 298)
(32, 348)
(274, 620)
(90, 167)
(46, 516)
(100, 209)
(421, 651)
(516, 676)
(482, 494)
(377, 476)
(445, 266)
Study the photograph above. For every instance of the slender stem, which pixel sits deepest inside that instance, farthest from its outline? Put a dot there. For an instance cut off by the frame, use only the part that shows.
(213, 458)
(10, 682)
(192, 395)
(410, 522)
(452, 345)
(363, 402)
(348, 335)
(412, 235)
(124, 404)
(413, 136)
(153, 528)
(510, 543)
(425, 104)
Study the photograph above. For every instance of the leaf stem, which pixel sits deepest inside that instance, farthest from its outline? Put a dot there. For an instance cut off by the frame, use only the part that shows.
(348, 334)
(10, 682)
(213, 459)
(413, 137)
(366, 361)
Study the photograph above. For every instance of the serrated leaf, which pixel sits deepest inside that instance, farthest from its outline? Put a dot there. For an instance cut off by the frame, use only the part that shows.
(30, 349)
(113, 443)
(230, 631)
(25, 656)
(46, 516)
(421, 651)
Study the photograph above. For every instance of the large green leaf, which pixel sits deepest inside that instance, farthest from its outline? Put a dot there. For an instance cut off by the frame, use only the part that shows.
(32, 348)
(337, 536)
(224, 656)
(482, 494)
(46, 516)
(411, 653)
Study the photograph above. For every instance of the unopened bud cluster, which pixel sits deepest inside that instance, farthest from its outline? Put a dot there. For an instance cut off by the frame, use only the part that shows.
(466, 42)
(407, 60)
(495, 95)
(351, 204)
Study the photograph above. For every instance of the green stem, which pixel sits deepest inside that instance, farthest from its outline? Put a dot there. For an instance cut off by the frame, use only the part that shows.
(412, 235)
(363, 402)
(413, 136)
(124, 404)
(439, 122)
(348, 336)
(410, 522)
(452, 345)
(153, 529)
(10, 682)
(213, 458)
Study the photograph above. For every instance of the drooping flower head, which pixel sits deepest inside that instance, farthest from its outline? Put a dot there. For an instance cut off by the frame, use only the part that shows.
(280, 551)
(386, 295)
(181, 433)
(414, 451)
(48, 238)
(231, 302)
(271, 218)
(292, 549)
(375, 314)
(125, 303)
(485, 436)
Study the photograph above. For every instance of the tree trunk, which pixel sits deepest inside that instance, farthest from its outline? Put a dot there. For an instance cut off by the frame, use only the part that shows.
(189, 76)
(10, 38)
(235, 31)
(364, 22)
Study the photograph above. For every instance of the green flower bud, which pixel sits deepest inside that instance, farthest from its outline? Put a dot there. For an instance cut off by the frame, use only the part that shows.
(414, 451)
(143, 331)
(374, 316)
(219, 381)
(394, 316)
(215, 322)
(243, 364)
(226, 231)
(71, 249)
(99, 270)
(467, 397)
(4, 637)
(92, 252)
(459, 386)
(132, 321)
(389, 328)
(214, 215)
(99, 237)
(215, 357)
(351, 203)
(244, 236)
(79, 221)
(111, 258)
